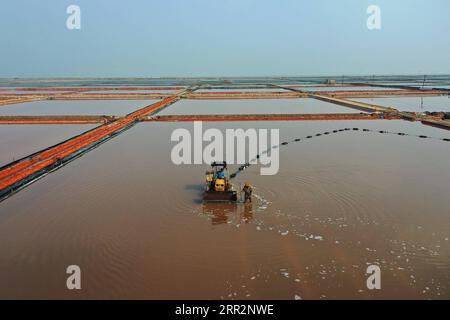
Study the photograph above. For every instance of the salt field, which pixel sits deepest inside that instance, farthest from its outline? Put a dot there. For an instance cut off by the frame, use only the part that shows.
(138, 228)
(243, 90)
(342, 88)
(133, 91)
(224, 159)
(31, 92)
(415, 104)
(18, 141)
(259, 106)
(348, 194)
(75, 107)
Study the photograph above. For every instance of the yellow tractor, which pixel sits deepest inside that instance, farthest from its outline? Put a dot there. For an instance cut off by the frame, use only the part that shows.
(218, 186)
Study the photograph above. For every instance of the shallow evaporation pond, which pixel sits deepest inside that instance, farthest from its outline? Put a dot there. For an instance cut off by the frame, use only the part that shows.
(31, 92)
(231, 90)
(135, 222)
(75, 107)
(414, 104)
(359, 88)
(134, 91)
(447, 87)
(18, 141)
(255, 106)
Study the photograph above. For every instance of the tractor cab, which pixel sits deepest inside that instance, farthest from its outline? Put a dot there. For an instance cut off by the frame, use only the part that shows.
(218, 186)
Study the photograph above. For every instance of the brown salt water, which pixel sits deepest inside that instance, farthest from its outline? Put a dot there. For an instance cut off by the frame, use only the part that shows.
(76, 107)
(135, 224)
(254, 106)
(17, 141)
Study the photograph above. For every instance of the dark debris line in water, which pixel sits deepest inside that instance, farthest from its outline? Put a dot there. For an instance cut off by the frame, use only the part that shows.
(246, 165)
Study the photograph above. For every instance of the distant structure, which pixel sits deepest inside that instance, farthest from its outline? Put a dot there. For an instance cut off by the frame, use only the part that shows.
(330, 81)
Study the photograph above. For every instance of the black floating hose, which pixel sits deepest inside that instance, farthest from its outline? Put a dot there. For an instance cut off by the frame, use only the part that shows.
(246, 165)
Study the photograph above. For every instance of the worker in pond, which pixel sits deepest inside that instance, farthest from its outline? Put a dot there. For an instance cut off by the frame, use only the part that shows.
(247, 190)
(220, 174)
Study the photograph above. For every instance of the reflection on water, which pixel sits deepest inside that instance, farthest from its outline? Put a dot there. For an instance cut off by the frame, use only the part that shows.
(223, 213)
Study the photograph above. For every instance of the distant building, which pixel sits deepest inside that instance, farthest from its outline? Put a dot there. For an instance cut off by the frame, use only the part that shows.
(330, 81)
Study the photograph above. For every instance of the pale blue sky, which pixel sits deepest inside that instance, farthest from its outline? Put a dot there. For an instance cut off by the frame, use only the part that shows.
(154, 38)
